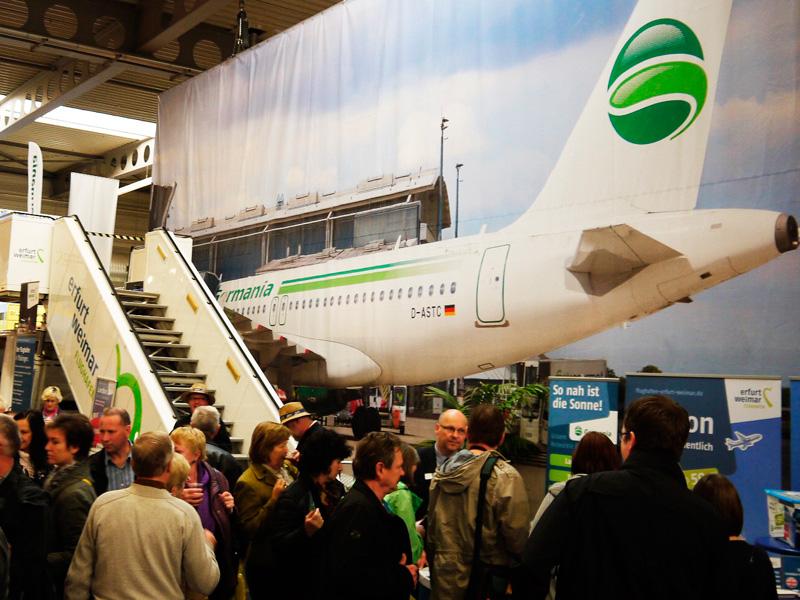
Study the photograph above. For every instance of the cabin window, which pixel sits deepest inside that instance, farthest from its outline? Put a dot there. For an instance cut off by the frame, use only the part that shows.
(441, 290)
(304, 303)
(316, 303)
(419, 291)
(391, 294)
(410, 292)
(381, 296)
(355, 298)
(325, 302)
(347, 300)
(339, 301)
(364, 297)
(430, 290)
(400, 294)
(372, 297)
(453, 288)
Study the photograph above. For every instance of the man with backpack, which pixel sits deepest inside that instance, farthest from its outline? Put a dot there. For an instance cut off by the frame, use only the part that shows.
(477, 517)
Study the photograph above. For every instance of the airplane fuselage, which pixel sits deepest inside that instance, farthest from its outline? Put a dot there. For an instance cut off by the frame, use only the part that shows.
(430, 312)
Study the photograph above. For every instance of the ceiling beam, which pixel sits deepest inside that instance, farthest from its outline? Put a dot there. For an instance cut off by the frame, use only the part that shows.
(56, 151)
(182, 21)
(51, 89)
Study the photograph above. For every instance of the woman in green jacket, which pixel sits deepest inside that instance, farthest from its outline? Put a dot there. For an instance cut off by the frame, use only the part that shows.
(256, 494)
(404, 503)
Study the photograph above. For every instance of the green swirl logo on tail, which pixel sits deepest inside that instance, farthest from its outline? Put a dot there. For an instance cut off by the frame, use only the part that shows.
(129, 380)
(657, 86)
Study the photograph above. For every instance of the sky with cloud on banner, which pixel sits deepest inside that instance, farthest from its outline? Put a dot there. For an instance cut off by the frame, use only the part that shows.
(359, 91)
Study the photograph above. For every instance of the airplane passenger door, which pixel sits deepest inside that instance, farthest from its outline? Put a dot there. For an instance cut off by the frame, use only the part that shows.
(489, 304)
(273, 312)
(282, 316)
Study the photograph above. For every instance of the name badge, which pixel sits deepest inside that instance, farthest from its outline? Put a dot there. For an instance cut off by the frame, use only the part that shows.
(428, 476)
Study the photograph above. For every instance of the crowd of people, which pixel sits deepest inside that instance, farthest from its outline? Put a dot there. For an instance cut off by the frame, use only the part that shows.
(173, 516)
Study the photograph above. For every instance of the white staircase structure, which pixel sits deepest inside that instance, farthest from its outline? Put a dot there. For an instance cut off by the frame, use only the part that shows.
(148, 344)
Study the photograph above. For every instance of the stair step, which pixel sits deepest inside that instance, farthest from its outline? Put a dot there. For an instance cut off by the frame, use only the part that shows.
(147, 305)
(150, 335)
(236, 443)
(243, 460)
(172, 359)
(180, 387)
(166, 350)
(182, 406)
(123, 293)
(144, 308)
(151, 318)
(165, 345)
(180, 376)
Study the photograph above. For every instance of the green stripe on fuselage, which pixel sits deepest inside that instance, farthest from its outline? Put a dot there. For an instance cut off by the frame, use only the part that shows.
(362, 277)
(360, 270)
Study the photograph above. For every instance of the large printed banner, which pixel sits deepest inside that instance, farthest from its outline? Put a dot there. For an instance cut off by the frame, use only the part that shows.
(359, 91)
(578, 406)
(734, 429)
(794, 448)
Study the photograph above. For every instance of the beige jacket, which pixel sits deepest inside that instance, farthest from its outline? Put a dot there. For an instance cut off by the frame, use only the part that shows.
(451, 520)
(141, 542)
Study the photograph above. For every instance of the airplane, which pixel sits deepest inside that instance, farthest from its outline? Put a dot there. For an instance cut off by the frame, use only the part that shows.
(612, 237)
(742, 441)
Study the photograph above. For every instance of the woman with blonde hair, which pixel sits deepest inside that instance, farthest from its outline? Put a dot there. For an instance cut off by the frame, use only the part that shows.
(178, 474)
(207, 490)
(51, 397)
(256, 493)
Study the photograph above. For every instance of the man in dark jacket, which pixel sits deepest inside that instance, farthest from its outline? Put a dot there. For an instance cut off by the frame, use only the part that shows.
(302, 425)
(636, 533)
(23, 518)
(450, 431)
(367, 552)
(111, 467)
(69, 439)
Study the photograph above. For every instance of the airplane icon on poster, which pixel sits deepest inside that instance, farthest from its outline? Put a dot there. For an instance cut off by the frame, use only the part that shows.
(742, 441)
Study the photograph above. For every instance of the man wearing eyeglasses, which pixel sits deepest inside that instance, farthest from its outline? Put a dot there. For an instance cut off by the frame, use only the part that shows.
(450, 431)
(636, 533)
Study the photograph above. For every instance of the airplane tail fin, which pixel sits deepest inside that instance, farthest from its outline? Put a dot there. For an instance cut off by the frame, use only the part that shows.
(640, 142)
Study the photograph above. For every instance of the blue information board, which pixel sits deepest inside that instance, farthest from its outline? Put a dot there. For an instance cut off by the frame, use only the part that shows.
(24, 352)
(578, 405)
(734, 429)
(794, 447)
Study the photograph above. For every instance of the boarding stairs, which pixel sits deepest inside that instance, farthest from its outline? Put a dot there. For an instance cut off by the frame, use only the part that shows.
(171, 359)
(141, 346)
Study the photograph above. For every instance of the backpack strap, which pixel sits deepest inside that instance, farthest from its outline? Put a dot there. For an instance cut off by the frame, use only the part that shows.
(486, 473)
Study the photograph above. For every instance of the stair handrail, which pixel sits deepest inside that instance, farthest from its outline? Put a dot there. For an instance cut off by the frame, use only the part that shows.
(113, 291)
(233, 335)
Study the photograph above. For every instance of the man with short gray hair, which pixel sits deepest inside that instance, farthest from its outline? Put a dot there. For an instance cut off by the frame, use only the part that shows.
(207, 420)
(167, 541)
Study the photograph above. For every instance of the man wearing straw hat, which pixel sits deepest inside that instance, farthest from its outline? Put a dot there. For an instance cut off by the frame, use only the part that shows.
(198, 395)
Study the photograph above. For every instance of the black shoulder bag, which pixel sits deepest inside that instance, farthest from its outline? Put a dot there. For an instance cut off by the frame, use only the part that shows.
(482, 582)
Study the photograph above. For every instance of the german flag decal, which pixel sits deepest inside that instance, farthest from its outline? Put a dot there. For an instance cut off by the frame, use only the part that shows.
(450, 310)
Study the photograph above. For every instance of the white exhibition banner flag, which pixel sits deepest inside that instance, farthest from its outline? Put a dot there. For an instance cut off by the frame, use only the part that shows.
(35, 173)
(94, 201)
